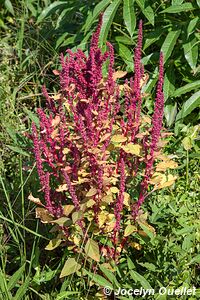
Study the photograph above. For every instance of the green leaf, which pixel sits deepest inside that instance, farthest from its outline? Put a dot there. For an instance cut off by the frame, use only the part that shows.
(152, 37)
(192, 26)
(131, 265)
(191, 51)
(129, 16)
(125, 53)
(101, 281)
(152, 82)
(146, 10)
(22, 290)
(63, 15)
(65, 295)
(107, 20)
(53, 244)
(124, 40)
(192, 103)
(15, 277)
(92, 250)
(195, 260)
(109, 275)
(139, 278)
(198, 3)
(168, 87)
(18, 150)
(51, 9)
(100, 7)
(129, 229)
(170, 113)
(169, 43)
(70, 267)
(33, 117)
(174, 9)
(9, 7)
(148, 266)
(187, 88)
(31, 8)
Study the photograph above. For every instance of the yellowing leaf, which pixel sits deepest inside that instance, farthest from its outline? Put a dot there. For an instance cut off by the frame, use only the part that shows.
(53, 244)
(92, 250)
(55, 121)
(77, 215)
(102, 217)
(136, 246)
(66, 151)
(56, 96)
(146, 119)
(91, 192)
(118, 138)
(62, 221)
(114, 190)
(158, 178)
(35, 200)
(62, 188)
(105, 137)
(70, 267)
(126, 199)
(161, 180)
(67, 209)
(187, 143)
(147, 227)
(132, 149)
(164, 165)
(110, 224)
(169, 181)
(54, 133)
(90, 203)
(119, 74)
(77, 240)
(43, 215)
(108, 198)
(129, 230)
(144, 80)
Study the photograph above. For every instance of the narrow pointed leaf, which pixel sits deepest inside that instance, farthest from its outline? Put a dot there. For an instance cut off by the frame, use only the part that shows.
(146, 10)
(174, 9)
(100, 280)
(129, 16)
(169, 43)
(169, 87)
(187, 88)
(15, 277)
(170, 113)
(22, 290)
(191, 51)
(125, 53)
(192, 25)
(139, 278)
(100, 7)
(107, 20)
(192, 103)
(51, 9)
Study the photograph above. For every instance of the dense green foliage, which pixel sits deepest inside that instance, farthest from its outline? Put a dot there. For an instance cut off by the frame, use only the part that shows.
(33, 33)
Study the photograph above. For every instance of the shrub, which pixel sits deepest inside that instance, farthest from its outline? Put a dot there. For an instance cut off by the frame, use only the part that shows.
(95, 152)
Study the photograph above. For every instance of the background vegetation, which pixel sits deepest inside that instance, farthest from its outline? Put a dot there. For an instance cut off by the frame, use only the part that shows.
(33, 33)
